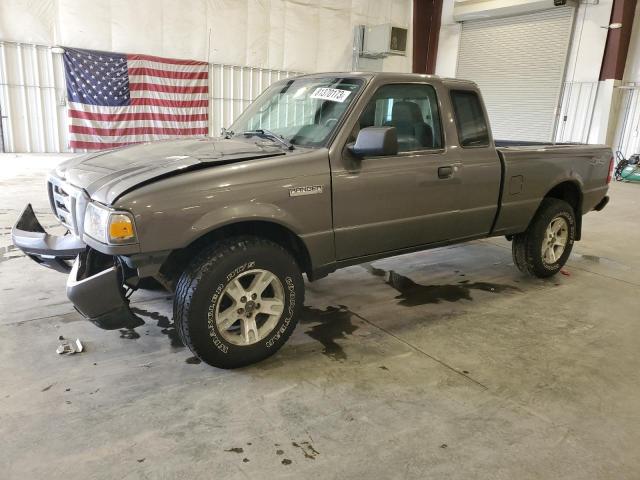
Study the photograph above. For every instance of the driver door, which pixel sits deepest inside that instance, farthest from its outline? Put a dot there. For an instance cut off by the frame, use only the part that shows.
(388, 203)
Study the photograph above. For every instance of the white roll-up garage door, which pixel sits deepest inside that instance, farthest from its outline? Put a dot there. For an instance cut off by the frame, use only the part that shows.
(519, 64)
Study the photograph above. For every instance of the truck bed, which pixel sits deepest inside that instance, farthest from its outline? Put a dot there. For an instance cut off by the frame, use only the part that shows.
(524, 143)
(532, 168)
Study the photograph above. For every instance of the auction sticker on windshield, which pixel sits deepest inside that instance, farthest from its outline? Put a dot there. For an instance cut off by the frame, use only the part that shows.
(332, 94)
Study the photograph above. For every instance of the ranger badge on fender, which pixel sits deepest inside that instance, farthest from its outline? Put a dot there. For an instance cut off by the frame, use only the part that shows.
(306, 190)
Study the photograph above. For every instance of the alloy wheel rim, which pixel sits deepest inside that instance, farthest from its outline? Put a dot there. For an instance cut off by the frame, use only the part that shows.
(555, 240)
(250, 307)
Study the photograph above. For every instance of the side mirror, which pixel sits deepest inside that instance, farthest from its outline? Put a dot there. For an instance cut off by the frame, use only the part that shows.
(375, 142)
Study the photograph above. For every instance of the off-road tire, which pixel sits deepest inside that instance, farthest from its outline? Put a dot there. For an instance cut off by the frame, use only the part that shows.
(527, 247)
(209, 272)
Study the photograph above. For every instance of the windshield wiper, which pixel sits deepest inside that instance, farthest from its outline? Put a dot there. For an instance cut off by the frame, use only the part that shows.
(269, 135)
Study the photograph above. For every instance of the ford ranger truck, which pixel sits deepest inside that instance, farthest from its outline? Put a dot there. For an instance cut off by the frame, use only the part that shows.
(320, 172)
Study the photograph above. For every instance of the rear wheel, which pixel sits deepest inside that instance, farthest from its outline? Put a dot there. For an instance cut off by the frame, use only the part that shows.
(543, 249)
(238, 302)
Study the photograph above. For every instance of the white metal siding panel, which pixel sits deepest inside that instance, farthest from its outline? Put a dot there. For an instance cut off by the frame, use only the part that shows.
(628, 131)
(519, 63)
(32, 96)
(578, 102)
(232, 88)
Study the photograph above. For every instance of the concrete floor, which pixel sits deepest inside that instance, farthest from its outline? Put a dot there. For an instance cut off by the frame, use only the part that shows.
(442, 364)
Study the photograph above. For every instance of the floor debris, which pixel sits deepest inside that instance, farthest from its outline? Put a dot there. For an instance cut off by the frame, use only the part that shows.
(69, 348)
(307, 449)
(235, 450)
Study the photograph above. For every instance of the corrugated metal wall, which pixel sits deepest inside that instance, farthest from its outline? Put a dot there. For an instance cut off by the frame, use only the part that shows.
(33, 96)
(232, 88)
(578, 102)
(32, 99)
(628, 134)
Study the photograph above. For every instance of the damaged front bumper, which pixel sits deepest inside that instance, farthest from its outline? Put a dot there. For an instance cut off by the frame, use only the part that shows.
(95, 282)
(48, 250)
(98, 293)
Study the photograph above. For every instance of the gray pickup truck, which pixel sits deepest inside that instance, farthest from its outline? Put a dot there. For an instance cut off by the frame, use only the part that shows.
(320, 172)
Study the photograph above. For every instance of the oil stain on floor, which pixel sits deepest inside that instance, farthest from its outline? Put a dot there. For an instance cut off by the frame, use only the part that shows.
(129, 333)
(162, 320)
(335, 322)
(167, 326)
(331, 324)
(413, 294)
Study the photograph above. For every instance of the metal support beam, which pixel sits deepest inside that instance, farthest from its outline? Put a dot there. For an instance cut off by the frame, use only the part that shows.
(617, 46)
(427, 15)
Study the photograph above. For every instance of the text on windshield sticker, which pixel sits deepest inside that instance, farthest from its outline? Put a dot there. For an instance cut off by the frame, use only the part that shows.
(332, 94)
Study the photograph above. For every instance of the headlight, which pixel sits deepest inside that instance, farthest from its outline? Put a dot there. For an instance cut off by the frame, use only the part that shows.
(108, 226)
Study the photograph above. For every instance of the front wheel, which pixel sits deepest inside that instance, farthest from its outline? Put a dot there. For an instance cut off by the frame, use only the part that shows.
(543, 249)
(238, 302)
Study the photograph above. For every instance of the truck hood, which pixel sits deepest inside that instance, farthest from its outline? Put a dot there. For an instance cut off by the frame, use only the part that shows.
(107, 175)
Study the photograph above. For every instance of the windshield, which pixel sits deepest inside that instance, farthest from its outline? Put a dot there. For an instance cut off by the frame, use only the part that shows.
(302, 111)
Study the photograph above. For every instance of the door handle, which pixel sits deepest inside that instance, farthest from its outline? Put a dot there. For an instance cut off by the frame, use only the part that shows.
(445, 172)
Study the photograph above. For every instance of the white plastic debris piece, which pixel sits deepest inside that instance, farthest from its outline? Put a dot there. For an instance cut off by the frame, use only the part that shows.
(64, 348)
(67, 348)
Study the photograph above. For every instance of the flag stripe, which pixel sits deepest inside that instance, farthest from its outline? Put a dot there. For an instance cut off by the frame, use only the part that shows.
(137, 123)
(84, 108)
(98, 145)
(156, 72)
(169, 81)
(85, 137)
(153, 87)
(132, 116)
(118, 132)
(169, 103)
(171, 61)
(167, 66)
(169, 96)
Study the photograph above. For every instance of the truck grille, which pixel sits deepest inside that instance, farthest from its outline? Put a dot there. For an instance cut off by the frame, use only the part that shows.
(64, 202)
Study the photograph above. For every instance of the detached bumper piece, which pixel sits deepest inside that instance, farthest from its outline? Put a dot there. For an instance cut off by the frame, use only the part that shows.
(97, 293)
(48, 250)
(95, 282)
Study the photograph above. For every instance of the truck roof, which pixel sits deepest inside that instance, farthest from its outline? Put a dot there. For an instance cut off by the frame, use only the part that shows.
(395, 76)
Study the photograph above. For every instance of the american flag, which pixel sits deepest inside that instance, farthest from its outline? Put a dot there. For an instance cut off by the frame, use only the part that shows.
(117, 99)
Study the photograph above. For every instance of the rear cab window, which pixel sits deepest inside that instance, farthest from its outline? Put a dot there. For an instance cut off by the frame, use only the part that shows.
(471, 123)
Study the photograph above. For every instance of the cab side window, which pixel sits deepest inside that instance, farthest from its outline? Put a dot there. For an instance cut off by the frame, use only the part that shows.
(412, 109)
(470, 121)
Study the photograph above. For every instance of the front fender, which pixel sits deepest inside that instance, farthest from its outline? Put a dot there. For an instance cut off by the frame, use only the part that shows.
(242, 212)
